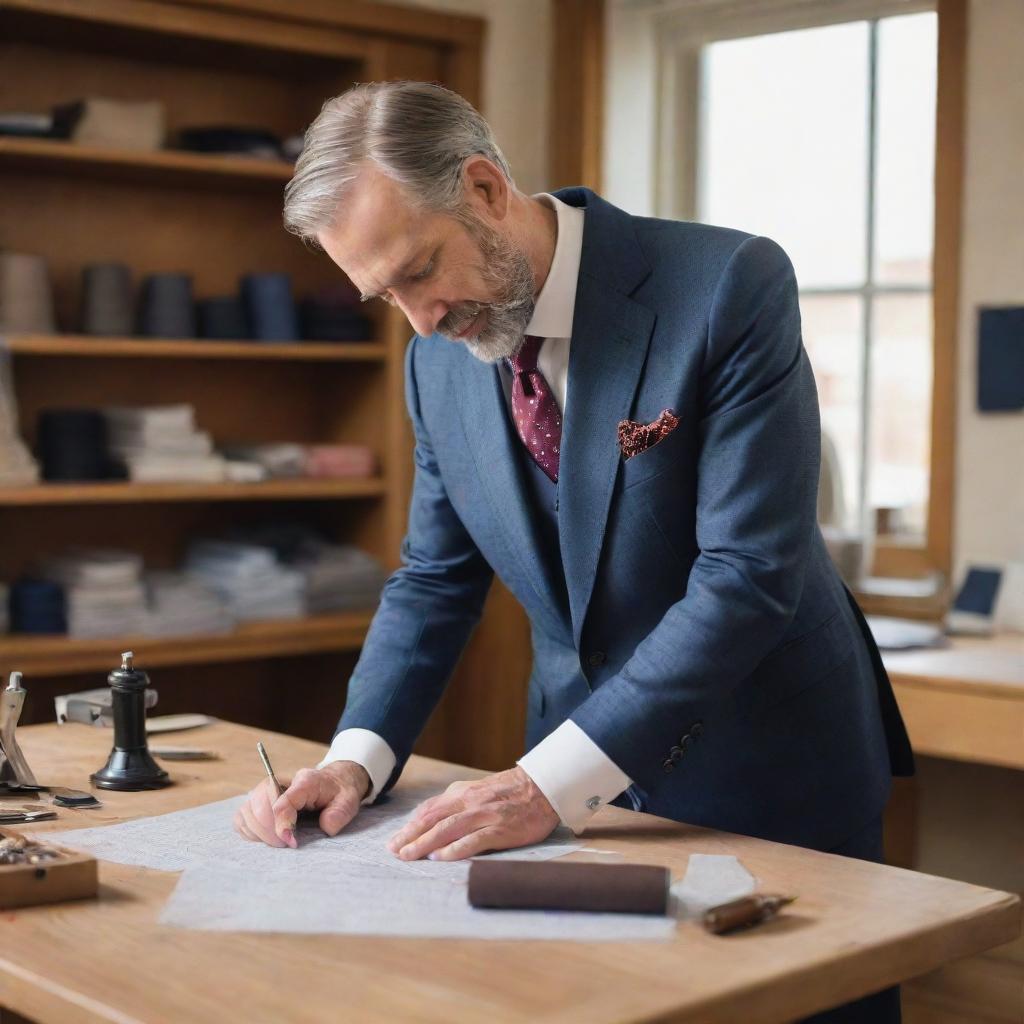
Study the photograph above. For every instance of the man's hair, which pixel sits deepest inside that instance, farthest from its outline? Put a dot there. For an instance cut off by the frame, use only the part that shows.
(417, 133)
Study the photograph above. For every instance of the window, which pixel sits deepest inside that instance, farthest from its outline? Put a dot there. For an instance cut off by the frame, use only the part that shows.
(823, 138)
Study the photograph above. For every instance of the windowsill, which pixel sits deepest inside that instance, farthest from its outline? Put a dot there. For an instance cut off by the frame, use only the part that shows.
(923, 598)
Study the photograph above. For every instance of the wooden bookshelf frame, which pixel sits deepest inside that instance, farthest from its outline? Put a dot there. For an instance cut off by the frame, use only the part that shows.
(210, 61)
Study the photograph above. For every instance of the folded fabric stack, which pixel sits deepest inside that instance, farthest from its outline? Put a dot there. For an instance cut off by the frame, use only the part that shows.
(338, 577)
(17, 467)
(181, 605)
(333, 314)
(284, 460)
(161, 444)
(119, 124)
(340, 460)
(103, 591)
(248, 578)
(279, 460)
(37, 606)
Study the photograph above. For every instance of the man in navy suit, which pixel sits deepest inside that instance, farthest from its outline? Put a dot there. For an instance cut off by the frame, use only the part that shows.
(617, 415)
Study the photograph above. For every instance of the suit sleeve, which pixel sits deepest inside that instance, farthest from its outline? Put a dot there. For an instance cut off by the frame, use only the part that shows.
(428, 608)
(756, 502)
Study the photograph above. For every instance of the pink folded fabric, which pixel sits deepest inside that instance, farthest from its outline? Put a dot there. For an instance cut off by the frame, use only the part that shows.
(340, 460)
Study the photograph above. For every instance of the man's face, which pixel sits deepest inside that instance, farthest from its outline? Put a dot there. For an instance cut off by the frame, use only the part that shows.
(454, 275)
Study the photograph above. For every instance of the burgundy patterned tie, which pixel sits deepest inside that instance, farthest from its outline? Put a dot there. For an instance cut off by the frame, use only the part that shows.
(534, 408)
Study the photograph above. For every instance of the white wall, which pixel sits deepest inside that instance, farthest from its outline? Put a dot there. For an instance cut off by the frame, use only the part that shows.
(989, 509)
(516, 80)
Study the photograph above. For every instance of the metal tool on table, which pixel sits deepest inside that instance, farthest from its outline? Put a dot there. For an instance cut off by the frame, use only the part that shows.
(130, 765)
(15, 816)
(92, 707)
(13, 766)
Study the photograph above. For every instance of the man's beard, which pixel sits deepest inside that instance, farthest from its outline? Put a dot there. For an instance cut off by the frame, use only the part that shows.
(506, 269)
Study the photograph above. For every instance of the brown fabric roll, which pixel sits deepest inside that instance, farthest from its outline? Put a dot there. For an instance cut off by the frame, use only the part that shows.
(531, 885)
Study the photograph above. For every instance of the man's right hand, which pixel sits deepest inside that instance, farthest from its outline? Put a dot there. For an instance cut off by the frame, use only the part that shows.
(336, 791)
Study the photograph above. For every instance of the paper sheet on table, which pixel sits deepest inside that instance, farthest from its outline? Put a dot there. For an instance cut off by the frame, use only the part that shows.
(366, 900)
(351, 884)
(710, 879)
(205, 835)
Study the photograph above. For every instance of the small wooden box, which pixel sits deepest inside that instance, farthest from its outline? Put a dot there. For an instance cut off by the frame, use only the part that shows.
(72, 876)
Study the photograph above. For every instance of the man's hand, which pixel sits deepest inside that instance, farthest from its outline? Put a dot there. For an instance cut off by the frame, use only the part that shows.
(336, 790)
(496, 813)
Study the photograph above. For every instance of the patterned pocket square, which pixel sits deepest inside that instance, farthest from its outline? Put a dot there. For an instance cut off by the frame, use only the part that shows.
(635, 438)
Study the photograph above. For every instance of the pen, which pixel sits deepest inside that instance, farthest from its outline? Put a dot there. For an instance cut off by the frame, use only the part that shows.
(288, 835)
(262, 751)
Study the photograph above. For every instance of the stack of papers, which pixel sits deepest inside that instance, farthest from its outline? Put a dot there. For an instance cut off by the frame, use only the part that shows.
(161, 444)
(181, 605)
(248, 578)
(103, 591)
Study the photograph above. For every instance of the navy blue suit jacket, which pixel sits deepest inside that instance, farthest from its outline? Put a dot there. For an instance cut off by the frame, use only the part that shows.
(699, 587)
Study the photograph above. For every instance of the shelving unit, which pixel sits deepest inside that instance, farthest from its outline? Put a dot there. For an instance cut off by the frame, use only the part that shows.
(210, 62)
(90, 347)
(51, 656)
(122, 493)
(166, 166)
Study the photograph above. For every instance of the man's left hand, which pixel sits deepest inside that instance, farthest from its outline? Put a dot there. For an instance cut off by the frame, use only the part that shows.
(498, 812)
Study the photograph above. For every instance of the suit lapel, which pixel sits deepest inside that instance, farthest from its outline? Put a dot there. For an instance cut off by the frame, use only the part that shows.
(610, 337)
(609, 346)
(494, 444)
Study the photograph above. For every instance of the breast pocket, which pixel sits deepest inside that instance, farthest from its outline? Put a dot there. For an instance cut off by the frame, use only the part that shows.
(654, 460)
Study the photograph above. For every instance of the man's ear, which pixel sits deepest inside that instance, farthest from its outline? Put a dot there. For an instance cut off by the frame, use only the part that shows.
(486, 188)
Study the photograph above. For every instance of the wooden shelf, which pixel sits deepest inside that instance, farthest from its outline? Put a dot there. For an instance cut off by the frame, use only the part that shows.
(62, 655)
(159, 166)
(121, 493)
(87, 346)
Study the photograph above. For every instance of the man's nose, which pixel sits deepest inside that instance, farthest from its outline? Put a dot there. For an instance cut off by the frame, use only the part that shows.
(425, 317)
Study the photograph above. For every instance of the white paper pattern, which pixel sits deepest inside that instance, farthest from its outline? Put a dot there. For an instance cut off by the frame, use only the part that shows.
(710, 879)
(351, 884)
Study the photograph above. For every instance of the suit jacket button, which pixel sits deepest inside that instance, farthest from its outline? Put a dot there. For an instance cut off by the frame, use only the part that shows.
(668, 765)
(677, 753)
(685, 741)
(697, 729)
(596, 659)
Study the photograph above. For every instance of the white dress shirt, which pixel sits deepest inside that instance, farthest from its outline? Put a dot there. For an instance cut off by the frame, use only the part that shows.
(575, 775)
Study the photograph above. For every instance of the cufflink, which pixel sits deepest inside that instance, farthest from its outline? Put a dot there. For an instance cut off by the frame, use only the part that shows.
(594, 802)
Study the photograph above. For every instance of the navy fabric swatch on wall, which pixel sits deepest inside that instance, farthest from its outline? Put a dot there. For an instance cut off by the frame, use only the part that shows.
(1001, 359)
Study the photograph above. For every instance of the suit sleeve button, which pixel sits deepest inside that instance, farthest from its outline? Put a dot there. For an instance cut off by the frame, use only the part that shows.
(697, 729)
(667, 765)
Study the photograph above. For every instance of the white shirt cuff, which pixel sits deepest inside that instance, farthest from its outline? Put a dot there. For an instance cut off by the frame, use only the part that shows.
(576, 776)
(368, 749)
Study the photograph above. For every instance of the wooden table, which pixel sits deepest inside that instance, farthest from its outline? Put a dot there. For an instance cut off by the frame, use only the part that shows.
(857, 927)
(965, 701)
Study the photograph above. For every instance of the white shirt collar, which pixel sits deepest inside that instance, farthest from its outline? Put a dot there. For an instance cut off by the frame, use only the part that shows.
(554, 305)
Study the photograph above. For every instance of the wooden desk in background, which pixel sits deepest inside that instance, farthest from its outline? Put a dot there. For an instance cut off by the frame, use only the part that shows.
(965, 701)
(857, 927)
